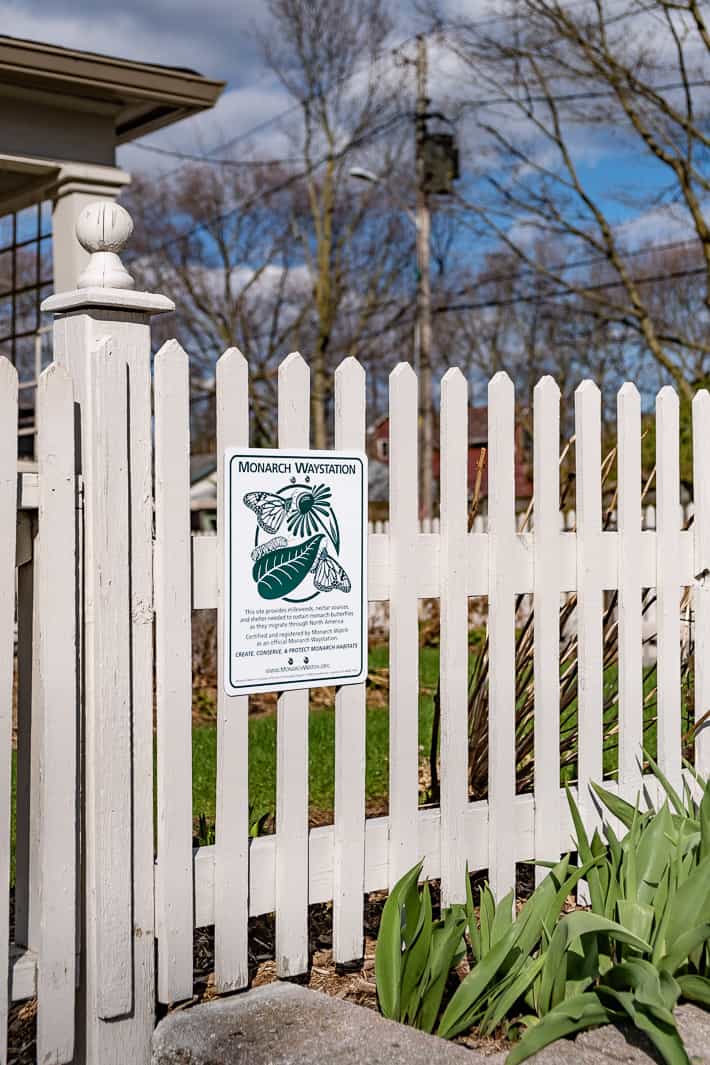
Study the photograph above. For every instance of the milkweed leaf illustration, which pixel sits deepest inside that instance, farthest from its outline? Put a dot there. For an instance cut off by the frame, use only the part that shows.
(278, 572)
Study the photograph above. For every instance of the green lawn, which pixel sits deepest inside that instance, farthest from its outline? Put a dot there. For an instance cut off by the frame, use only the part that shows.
(321, 735)
(262, 747)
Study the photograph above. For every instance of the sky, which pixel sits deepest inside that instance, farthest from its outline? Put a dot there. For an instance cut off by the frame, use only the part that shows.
(215, 38)
(218, 38)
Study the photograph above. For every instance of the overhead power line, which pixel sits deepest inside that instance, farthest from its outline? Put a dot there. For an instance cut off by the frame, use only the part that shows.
(389, 52)
(191, 157)
(599, 260)
(272, 190)
(470, 105)
(405, 319)
(566, 292)
(298, 176)
(224, 146)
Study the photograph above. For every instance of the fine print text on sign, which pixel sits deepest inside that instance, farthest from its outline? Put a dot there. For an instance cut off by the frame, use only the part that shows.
(295, 569)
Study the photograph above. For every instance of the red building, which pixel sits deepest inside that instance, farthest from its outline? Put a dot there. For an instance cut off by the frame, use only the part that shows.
(378, 454)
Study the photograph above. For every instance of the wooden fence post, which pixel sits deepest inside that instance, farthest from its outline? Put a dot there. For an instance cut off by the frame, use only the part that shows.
(56, 734)
(102, 336)
(8, 495)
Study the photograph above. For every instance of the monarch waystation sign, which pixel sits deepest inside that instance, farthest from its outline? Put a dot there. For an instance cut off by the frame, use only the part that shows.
(295, 569)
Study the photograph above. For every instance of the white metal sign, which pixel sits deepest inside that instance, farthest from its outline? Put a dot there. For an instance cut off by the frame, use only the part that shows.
(295, 569)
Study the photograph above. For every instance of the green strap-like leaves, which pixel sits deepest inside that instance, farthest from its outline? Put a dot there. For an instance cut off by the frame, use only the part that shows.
(574, 1015)
(388, 954)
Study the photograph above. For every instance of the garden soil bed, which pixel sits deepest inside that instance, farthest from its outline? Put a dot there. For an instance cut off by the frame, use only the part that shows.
(353, 984)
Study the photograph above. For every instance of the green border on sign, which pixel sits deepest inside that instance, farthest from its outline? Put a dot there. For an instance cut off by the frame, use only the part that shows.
(302, 682)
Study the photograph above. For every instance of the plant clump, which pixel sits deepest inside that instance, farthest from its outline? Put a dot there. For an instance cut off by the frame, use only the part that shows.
(643, 946)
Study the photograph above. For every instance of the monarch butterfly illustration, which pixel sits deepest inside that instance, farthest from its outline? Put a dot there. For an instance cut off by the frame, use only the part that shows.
(270, 509)
(329, 574)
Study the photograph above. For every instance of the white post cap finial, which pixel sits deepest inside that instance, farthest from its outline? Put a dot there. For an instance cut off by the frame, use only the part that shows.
(103, 229)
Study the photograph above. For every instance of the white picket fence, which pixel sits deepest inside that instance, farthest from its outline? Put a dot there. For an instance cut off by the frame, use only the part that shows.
(78, 542)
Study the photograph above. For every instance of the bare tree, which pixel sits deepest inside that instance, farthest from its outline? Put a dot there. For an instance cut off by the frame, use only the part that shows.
(220, 240)
(327, 55)
(548, 77)
(217, 240)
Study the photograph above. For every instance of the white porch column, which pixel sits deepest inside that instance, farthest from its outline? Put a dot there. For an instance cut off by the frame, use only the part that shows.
(76, 187)
(102, 336)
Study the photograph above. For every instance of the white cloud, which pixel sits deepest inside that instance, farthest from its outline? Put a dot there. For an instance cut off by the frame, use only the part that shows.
(238, 111)
(658, 225)
(214, 38)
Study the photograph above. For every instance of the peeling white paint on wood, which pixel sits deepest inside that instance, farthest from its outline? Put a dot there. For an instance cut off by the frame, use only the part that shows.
(109, 738)
(173, 674)
(232, 821)
(57, 574)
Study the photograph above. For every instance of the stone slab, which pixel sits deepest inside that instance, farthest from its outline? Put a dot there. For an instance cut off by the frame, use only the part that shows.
(607, 1045)
(285, 1024)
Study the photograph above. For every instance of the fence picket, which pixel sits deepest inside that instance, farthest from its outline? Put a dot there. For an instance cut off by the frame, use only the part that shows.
(232, 813)
(8, 500)
(349, 834)
(454, 633)
(587, 411)
(173, 670)
(57, 570)
(701, 570)
(630, 637)
(502, 543)
(668, 584)
(26, 793)
(546, 654)
(404, 628)
(292, 733)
